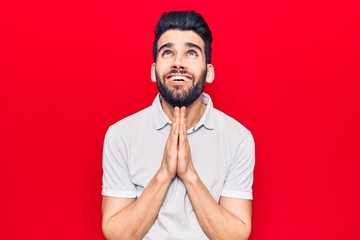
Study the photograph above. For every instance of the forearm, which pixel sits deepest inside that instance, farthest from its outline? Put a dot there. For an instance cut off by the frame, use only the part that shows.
(135, 220)
(216, 221)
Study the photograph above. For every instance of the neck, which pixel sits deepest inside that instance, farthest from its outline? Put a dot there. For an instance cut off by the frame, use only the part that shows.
(194, 112)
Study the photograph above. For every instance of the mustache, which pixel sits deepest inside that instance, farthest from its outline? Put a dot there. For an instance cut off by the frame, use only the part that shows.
(177, 71)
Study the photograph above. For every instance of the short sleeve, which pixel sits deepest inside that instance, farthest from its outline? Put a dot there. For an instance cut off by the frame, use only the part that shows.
(116, 178)
(239, 181)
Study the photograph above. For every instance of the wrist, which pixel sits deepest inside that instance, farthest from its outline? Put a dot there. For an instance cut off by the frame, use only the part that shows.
(190, 177)
(163, 176)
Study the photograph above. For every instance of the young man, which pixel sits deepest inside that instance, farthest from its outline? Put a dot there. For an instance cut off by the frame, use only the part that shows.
(179, 169)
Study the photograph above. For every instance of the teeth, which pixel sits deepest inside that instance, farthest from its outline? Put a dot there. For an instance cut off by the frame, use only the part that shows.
(178, 78)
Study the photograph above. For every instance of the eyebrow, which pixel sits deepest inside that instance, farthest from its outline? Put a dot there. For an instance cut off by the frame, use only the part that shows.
(192, 45)
(187, 44)
(166, 45)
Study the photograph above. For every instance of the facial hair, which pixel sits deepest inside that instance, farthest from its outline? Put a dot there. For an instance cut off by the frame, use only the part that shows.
(176, 97)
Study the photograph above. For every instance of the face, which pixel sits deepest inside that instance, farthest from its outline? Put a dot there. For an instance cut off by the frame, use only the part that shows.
(180, 69)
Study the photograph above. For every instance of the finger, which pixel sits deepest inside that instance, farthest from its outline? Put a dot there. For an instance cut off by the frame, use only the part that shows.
(173, 122)
(175, 127)
(172, 134)
(182, 134)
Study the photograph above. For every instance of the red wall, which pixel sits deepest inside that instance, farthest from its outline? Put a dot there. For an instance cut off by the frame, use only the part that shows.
(288, 70)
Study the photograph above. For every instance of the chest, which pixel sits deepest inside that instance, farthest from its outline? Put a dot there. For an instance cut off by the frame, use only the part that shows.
(210, 154)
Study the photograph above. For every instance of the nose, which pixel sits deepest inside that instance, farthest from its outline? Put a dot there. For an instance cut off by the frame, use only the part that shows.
(178, 62)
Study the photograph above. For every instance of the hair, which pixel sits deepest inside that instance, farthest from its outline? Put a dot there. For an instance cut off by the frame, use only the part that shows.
(184, 21)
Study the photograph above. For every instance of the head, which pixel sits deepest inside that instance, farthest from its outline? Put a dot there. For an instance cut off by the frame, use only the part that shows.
(182, 55)
(183, 21)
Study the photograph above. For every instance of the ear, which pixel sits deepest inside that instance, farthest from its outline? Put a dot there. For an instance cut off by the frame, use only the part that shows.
(210, 73)
(153, 75)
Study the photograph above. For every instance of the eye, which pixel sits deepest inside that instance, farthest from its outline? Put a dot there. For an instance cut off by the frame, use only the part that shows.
(166, 53)
(192, 53)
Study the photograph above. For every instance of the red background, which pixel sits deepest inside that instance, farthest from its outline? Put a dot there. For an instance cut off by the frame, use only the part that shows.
(288, 70)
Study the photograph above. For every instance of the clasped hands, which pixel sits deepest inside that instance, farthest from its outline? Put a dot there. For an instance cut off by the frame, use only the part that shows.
(177, 155)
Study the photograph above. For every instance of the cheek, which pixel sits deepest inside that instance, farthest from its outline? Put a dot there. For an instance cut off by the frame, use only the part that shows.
(162, 66)
(199, 71)
(196, 65)
(160, 72)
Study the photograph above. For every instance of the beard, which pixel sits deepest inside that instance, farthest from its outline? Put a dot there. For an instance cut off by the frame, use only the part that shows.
(178, 96)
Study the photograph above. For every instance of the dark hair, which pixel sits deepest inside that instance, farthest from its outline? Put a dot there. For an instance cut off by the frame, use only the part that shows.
(184, 21)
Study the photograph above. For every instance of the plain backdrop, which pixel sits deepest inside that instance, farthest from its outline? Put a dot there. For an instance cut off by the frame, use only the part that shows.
(287, 70)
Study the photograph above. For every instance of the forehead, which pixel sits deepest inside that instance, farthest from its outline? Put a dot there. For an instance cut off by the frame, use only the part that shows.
(179, 38)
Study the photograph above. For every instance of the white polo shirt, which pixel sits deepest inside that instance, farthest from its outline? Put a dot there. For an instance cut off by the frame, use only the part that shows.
(222, 152)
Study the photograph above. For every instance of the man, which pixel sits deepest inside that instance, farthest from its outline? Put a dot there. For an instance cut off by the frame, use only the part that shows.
(179, 169)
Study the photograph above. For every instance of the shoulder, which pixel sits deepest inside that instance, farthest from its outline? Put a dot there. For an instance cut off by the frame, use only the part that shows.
(128, 124)
(237, 137)
(230, 126)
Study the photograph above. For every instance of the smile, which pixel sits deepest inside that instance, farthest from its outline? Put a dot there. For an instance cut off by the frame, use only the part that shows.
(179, 78)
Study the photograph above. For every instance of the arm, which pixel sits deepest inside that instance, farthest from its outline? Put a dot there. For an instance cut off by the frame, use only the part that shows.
(131, 219)
(127, 218)
(231, 218)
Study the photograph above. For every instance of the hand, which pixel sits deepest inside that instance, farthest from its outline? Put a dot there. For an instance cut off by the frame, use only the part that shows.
(169, 162)
(177, 154)
(184, 162)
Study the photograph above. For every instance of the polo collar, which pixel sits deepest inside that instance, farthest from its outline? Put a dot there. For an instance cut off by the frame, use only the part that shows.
(161, 120)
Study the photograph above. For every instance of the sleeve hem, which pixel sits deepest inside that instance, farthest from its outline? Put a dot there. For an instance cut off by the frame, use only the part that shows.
(237, 194)
(117, 193)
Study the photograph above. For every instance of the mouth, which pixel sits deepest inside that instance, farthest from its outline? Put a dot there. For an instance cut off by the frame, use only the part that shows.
(179, 78)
